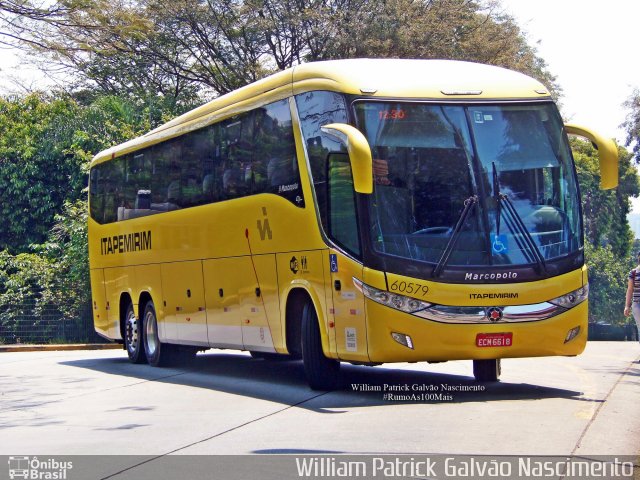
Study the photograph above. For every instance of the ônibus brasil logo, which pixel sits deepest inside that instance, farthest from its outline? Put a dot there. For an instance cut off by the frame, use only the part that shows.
(36, 469)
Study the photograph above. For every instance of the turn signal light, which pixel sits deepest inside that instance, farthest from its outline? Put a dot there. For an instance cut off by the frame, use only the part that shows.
(402, 339)
(571, 334)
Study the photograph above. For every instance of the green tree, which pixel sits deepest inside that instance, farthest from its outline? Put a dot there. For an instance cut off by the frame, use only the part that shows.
(66, 252)
(46, 143)
(608, 275)
(605, 211)
(632, 124)
(38, 170)
(608, 238)
(54, 279)
(134, 48)
(451, 29)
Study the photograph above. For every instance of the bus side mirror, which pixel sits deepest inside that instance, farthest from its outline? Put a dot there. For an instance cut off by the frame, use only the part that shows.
(607, 154)
(359, 154)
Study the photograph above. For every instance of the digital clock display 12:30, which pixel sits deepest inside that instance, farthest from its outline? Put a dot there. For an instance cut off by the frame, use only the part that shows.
(392, 114)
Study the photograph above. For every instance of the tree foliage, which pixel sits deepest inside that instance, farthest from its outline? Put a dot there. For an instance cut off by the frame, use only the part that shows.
(607, 283)
(605, 211)
(45, 145)
(54, 279)
(66, 252)
(632, 124)
(180, 47)
(608, 238)
(38, 167)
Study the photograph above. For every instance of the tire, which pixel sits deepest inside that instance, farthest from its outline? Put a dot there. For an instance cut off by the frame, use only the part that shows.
(133, 336)
(487, 370)
(158, 354)
(322, 372)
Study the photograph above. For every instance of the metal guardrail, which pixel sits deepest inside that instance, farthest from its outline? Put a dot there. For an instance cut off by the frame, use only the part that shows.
(34, 323)
(610, 332)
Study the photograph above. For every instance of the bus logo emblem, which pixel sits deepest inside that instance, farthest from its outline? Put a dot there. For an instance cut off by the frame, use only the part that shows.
(263, 226)
(294, 265)
(494, 314)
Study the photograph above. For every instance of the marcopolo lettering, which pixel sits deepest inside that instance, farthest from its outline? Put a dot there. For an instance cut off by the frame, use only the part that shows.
(129, 242)
(288, 188)
(491, 276)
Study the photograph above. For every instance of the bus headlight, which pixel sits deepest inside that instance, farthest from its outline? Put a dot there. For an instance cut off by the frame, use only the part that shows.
(572, 299)
(393, 300)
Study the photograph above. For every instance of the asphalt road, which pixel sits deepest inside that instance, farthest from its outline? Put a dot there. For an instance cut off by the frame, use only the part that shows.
(227, 403)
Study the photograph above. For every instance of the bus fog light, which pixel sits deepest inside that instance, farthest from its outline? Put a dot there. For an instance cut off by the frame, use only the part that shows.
(402, 339)
(571, 334)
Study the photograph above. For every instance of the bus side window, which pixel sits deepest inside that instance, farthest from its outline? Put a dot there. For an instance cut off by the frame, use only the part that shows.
(195, 148)
(96, 199)
(316, 109)
(237, 141)
(114, 178)
(343, 226)
(275, 165)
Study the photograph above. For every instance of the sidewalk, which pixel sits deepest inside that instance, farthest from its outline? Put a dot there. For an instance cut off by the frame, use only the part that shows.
(58, 347)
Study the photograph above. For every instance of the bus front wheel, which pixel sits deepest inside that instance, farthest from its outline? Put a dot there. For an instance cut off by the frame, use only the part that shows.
(487, 370)
(133, 336)
(322, 372)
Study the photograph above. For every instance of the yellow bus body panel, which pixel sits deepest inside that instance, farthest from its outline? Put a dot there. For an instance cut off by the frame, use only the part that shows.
(221, 274)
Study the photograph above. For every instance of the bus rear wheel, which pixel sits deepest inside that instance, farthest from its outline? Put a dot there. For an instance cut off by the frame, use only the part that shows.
(133, 336)
(322, 372)
(487, 370)
(158, 354)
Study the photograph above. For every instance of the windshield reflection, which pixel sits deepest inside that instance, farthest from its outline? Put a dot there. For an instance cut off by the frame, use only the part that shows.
(429, 159)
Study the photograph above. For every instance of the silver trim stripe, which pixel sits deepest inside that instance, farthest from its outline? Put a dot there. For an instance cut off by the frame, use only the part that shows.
(510, 314)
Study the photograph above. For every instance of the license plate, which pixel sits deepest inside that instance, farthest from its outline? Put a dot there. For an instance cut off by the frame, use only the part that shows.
(494, 339)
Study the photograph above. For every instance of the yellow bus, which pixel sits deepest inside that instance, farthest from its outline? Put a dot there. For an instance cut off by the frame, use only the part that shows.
(362, 211)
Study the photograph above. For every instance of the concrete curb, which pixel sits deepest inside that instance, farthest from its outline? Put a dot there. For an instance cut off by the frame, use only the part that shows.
(56, 347)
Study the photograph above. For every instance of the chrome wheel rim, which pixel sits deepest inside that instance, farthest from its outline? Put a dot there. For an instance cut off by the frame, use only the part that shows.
(151, 333)
(133, 336)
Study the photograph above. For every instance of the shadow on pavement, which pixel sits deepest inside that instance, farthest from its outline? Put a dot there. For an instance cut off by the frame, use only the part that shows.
(284, 382)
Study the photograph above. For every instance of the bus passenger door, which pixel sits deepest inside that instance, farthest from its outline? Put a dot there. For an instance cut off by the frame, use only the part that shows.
(348, 302)
(183, 292)
(348, 308)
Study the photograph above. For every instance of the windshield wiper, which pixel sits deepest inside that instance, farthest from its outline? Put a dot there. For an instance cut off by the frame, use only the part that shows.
(468, 205)
(516, 221)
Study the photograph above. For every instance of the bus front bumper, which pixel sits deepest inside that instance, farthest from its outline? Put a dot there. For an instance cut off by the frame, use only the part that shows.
(395, 336)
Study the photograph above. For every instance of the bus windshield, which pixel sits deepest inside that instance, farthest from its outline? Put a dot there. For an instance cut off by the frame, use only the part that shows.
(481, 184)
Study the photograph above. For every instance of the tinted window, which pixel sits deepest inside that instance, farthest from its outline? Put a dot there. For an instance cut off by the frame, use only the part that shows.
(343, 224)
(316, 109)
(247, 154)
(275, 166)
